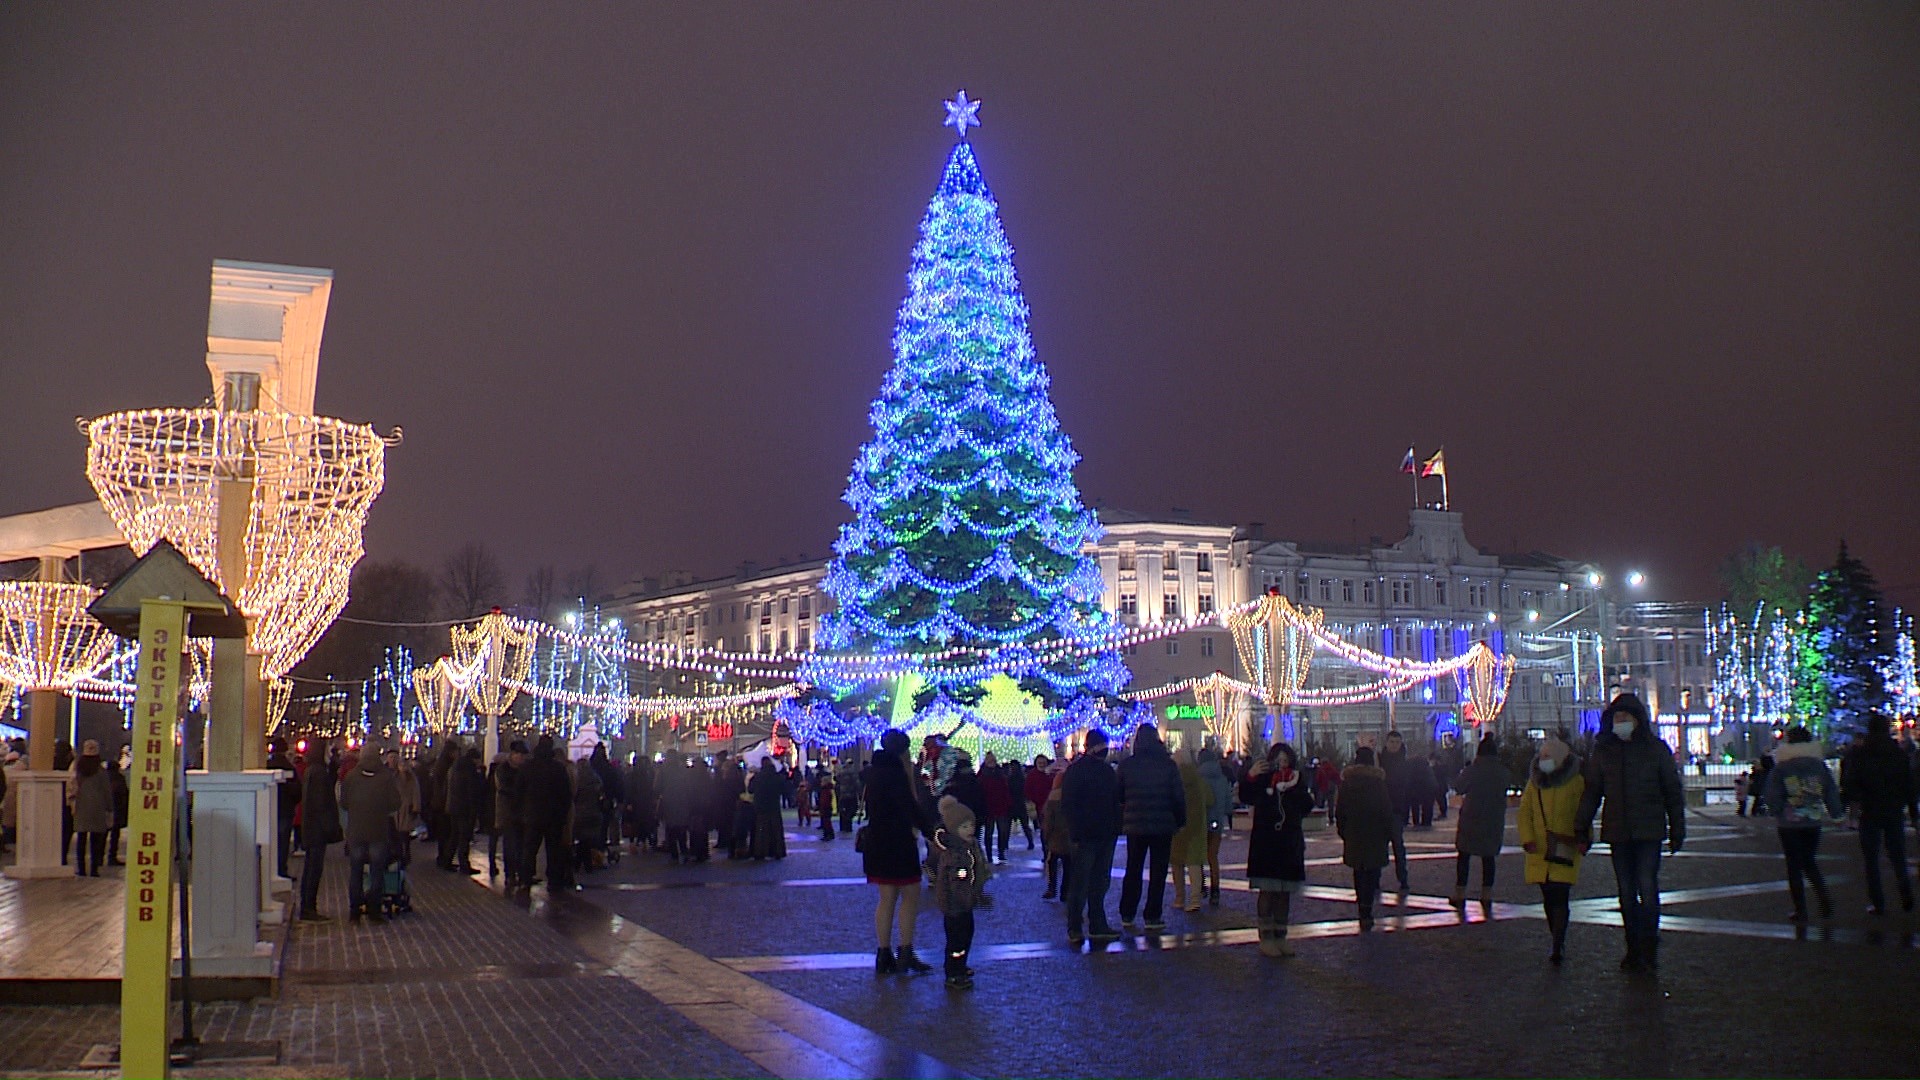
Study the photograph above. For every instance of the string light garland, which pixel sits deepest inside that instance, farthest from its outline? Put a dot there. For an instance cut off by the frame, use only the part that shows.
(159, 473)
(47, 639)
(1483, 683)
(442, 702)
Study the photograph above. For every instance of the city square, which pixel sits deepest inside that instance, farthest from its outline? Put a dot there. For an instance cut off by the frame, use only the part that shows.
(518, 686)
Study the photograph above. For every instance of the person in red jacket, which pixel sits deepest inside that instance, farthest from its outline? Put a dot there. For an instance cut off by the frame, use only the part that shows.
(999, 800)
(1326, 786)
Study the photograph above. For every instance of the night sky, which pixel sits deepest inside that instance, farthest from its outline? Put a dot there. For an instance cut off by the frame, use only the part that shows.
(627, 274)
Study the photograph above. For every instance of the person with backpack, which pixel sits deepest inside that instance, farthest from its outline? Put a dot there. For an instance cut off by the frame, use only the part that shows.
(1548, 824)
(960, 876)
(1802, 795)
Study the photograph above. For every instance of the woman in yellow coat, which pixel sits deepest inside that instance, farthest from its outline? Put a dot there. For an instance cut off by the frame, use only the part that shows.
(1549, 812)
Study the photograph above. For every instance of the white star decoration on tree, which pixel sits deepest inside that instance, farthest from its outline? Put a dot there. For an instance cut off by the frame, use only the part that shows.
(960, 113)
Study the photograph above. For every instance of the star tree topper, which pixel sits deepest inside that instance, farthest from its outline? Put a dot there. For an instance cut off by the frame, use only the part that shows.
(961, 113)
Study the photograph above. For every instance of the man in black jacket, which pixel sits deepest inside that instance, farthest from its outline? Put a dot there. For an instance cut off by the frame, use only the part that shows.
(1090, 802)
(1634, 784)
(1877, 782)
(546, 798)
(1153, 806)
(319, 824)
(1393, 761)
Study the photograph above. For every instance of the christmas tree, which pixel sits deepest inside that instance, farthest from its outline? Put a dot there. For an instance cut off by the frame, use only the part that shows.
(969, 532)
(1853, 642)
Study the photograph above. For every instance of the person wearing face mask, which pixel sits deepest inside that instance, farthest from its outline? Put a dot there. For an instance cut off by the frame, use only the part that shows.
(1549, 821)
(1634, 784)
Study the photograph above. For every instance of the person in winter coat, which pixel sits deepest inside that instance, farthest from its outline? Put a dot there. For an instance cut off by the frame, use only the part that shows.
(643, 804)
(964, 784)
(998, 802)
(846, 783)
(1090, 808)
(1483, 820)
(1400, 791)
(1326, 786)
(1423, 787)
(122, 804)
(1877, 783)
(407, 818)
(435, 807)
(370, 796)
(769, 832)
(1036, 784)
(589, 834)
(823, 795)
(466, 789)
(677, 812)
(1281, 799)
(1153, 807)
(1444, 774)
(1634, 785)
(90, 800)
(890, 853)
(546, 802)
(1219, 814)
(730, 782)
(287, 804)
(1548, 825)
(1056, 838)
(1802, 795)
(319, 825)
(1367, 824)
(1017, 797)
(1188, 852)
(508, 822)
(960, 876)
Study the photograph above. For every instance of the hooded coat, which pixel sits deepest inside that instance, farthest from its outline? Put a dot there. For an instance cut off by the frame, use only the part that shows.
(1875, 777)
(546, 790)
(1801, 793)
(1483, 808)
(370, 795)
(1366, 816)
(1153, 802)
(1190, 843)
(1635, 786)
(1551, 802)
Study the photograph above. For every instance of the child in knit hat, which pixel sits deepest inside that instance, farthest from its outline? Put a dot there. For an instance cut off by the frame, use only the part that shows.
(959, 884)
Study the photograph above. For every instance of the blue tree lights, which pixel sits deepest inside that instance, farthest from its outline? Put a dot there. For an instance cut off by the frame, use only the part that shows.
(968, 528)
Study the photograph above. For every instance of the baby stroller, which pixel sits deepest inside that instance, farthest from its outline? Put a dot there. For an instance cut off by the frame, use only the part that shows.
(396, 886)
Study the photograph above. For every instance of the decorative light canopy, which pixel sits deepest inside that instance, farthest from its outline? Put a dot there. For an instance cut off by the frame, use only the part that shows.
(1484, 682)
(442, 701)
(47, 639)
(491, 660)
(1275, 641)
(159, 473)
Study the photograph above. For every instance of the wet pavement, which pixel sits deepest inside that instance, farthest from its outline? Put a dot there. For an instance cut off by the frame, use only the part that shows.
(744, 969)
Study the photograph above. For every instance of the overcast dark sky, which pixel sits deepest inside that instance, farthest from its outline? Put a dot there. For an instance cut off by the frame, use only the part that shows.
(627, 273)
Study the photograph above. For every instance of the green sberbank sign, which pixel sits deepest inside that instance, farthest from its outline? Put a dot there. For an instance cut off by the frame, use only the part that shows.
(1189, 712)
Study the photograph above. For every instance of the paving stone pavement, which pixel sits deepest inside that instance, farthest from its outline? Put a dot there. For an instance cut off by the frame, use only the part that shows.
(1432, 994)
(466, 985)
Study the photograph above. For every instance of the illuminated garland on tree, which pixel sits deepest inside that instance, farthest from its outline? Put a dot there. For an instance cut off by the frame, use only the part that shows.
(968, 529)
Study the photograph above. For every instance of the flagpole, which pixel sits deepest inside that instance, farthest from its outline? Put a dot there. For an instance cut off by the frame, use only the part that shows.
(1416, 482)
(1444, 503)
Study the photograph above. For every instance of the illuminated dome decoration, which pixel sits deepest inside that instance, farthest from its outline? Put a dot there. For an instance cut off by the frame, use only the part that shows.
(47, 639)
(968, 529)
(159, 473)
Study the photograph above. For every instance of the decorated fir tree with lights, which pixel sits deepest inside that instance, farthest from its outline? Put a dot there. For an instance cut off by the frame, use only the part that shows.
(1851, 639)
(969, 531)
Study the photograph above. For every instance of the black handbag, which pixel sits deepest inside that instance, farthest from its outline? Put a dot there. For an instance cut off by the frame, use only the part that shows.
(860, 839)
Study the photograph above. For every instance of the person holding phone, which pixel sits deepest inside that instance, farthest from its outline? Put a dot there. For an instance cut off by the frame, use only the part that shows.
(1276, 846)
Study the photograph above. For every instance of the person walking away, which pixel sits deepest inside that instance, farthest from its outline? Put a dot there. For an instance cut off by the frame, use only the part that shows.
(507, 820)
(1393, 762)
(1633, 783)
(1056, 836)
(63, 762)
(370, 796)
(287, 805)
(1548, 824)
(1326, 783)
(997, 798)
(546, 793)
(1188, 853)
(960, 877)
(890, 853)
(1219, 814)
(847, 788)
(90, 801)
(1877, 783)
(1281, 799)
(1090, 807)
(438, 821)
(1801, 795)
(1422, 788)
(705, 788)
(1153, 807)
(1444, 775)
(801, 793)
(728, 783)
(676, 808)
(407, 818)
(769, 832)
(122, 803)
(319, 826)
(589, 823)
(823, 801)
(1037, 784)
(1483, 822)
(1367, 824)
(642, 804)
(1017, 797)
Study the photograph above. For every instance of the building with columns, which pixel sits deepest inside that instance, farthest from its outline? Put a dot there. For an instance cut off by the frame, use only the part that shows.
(1429, 595)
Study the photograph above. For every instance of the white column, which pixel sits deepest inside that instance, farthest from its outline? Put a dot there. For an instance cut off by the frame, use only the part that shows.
(38, 798)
